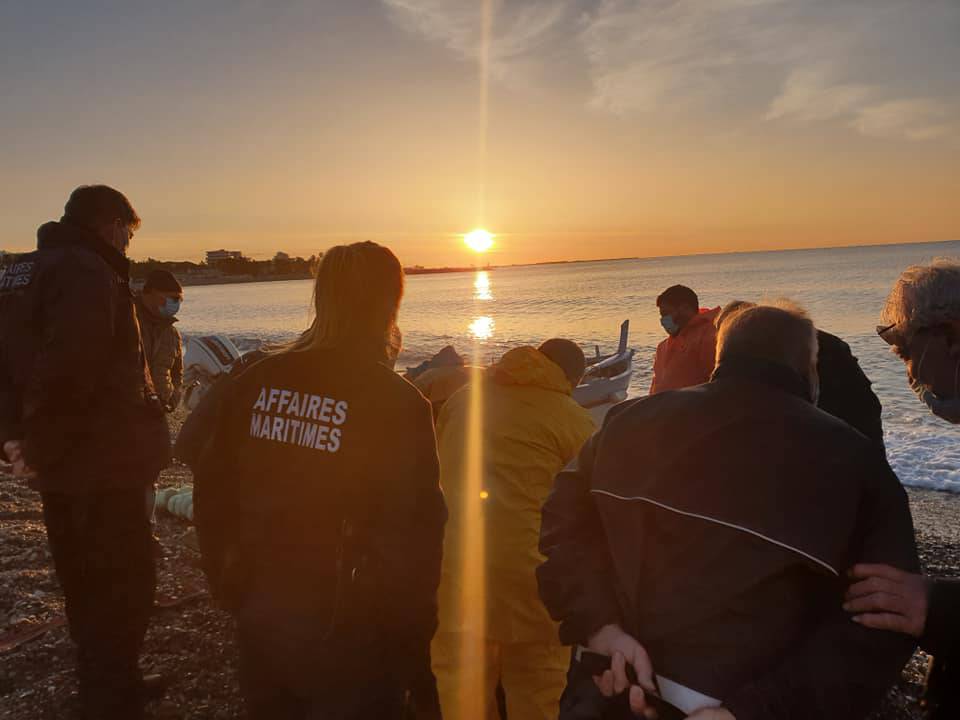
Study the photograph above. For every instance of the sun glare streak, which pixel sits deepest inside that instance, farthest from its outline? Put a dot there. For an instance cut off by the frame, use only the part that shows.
(472, 697)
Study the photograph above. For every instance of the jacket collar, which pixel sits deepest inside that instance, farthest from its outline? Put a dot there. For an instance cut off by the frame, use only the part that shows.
(68, 234)
(762, 371)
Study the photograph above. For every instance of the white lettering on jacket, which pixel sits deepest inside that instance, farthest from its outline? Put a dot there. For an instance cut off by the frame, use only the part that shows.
(283, 416)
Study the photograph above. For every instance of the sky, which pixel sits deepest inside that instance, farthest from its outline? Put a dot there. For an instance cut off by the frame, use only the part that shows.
(572, 129)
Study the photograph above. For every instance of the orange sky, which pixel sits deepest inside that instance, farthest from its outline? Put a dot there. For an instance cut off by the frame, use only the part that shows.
(615, 128)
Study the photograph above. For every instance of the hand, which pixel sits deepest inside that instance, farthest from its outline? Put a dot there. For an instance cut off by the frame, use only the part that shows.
(14, 453)
(888, 599)
(712, 714)
(611, 640)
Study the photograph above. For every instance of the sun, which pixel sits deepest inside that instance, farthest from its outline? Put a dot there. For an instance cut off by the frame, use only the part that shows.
(479, 240)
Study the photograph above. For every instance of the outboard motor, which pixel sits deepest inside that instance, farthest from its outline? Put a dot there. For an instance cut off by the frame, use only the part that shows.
(205, 359)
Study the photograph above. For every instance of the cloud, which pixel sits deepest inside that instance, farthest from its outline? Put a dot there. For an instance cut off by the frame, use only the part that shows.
(519, 29)
(844, 61)
(912, 119)
(883, 68)
(809, 96)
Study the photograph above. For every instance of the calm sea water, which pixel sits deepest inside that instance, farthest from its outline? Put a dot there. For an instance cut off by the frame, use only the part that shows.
(486, 313)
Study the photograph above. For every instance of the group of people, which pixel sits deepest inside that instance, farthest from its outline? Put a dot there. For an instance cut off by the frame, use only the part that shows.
(464, 542)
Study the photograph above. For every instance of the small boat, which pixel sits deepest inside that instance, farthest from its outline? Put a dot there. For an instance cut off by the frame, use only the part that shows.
(607, 378)
(207, 357)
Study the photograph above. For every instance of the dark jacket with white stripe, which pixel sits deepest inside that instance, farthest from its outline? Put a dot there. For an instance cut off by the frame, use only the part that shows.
(716, 524)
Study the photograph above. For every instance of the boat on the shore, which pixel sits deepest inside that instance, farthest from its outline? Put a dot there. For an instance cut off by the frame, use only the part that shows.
(606, 380)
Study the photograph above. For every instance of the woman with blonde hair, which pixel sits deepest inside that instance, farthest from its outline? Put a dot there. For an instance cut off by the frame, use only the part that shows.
(319, 510)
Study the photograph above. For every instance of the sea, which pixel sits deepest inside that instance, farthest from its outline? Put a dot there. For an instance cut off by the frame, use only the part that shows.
(486, 312)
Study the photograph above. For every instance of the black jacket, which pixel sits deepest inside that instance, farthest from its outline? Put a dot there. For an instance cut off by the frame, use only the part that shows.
(715, 524)
(845, 390)
(198, 429)
(941, 638)
(321, 519)
(74, 387)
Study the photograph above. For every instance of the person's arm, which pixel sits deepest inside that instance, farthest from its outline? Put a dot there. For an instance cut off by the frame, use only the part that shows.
(410, 544)
(198, 429)
(77, 338)
(843, 668)
(656, 372)
(176, 372)
(214, 506)
(9, 405)
(576, 581)
(163, 362)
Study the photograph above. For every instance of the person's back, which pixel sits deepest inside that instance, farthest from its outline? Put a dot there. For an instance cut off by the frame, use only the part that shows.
(845, 390)
(530, 428)
(732, 512)
(742, 528)
(320, 517)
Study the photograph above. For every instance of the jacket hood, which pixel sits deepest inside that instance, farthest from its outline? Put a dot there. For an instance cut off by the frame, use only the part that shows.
(706, 315)
(65, 234)
(528, 366)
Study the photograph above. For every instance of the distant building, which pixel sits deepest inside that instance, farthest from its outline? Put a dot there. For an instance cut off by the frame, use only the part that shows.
(281, 256)
(215, 256)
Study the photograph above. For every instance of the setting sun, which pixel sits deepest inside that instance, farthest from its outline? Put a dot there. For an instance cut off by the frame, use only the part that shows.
(479, 240)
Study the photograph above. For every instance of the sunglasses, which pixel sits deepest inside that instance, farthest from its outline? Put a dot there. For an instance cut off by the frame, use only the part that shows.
(890, 335)
(900, 341)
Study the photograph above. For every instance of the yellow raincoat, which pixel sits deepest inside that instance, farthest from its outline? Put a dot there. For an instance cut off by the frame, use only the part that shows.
(531, 428)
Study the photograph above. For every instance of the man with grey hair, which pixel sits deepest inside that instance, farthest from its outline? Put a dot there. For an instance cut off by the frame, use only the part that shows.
(921, 323)
(703, 536)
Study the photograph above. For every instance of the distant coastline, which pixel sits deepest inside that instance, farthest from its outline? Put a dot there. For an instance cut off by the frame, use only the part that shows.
(186, 273)
(188, 280)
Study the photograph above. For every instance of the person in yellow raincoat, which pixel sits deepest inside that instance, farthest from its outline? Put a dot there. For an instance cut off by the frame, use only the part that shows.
(530, 428)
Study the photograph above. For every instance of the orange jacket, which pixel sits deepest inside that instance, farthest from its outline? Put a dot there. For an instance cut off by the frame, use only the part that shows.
(687, 358)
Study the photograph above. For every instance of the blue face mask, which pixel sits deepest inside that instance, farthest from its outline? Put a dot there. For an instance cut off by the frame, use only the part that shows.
(669, 324)
(170, 307)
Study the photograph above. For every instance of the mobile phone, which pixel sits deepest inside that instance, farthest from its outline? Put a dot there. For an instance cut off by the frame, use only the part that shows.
(596, 664)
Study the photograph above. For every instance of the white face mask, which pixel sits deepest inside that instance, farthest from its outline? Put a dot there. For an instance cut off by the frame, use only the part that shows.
(944, 408)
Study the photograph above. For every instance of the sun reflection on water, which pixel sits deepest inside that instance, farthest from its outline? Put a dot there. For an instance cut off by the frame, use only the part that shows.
(482, 328)
(481, 286)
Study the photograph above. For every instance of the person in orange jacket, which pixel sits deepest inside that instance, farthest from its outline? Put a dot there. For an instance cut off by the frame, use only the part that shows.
(686, 357)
